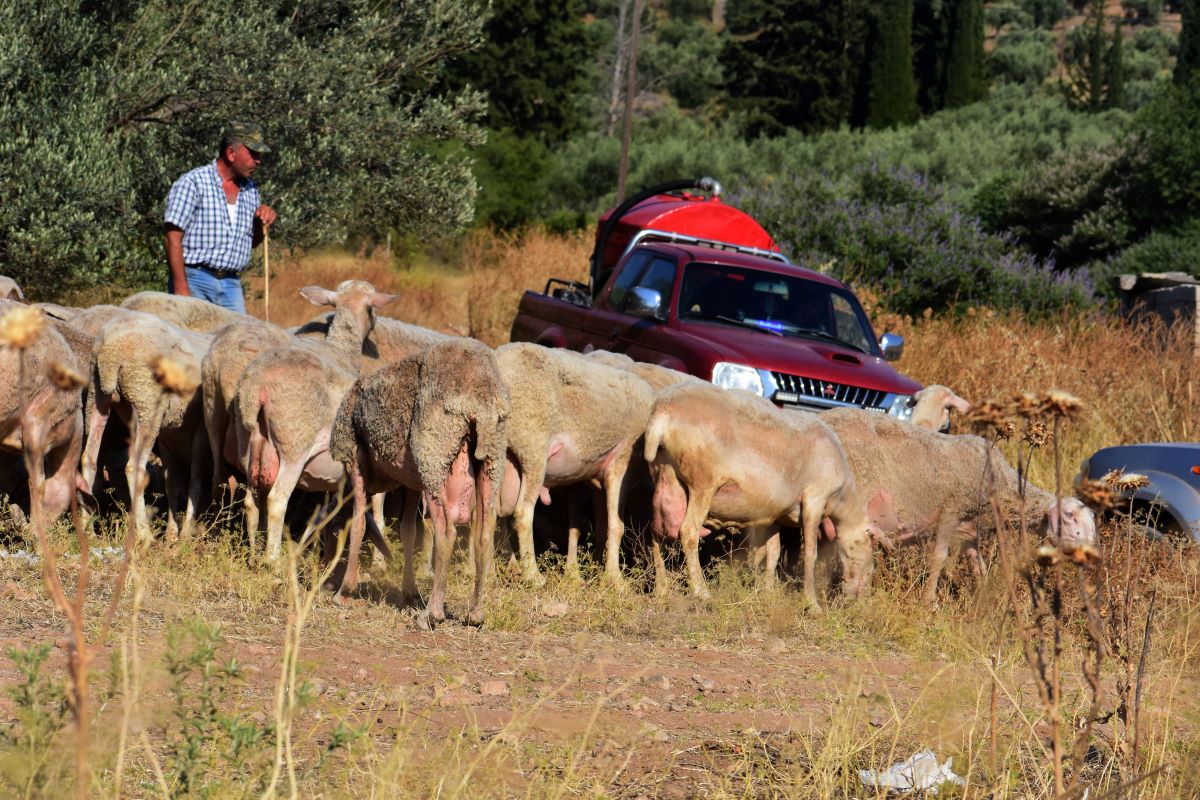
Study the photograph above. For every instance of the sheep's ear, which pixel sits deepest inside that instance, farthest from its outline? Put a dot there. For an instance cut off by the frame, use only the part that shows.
(379, 299)
(318, 296)
(958, 404)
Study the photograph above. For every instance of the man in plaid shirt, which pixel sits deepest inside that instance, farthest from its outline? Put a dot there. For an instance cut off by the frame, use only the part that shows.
(214, 218)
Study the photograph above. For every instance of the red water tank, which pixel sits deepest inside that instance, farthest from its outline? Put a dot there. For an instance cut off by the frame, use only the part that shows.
(692, 215)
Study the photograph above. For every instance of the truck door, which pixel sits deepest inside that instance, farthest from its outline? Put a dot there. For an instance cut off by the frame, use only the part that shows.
(615, 330)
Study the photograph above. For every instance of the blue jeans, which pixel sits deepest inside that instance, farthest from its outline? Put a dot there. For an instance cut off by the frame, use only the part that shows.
(224, 292)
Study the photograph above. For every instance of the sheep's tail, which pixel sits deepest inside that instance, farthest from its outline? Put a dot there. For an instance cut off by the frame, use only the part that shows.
(108, 371)
(655, 431)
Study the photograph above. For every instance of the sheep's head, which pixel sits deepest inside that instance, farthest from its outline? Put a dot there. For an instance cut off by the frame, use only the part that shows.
(857, 557)
(1073, 528)
(353, 298)
(933, 404)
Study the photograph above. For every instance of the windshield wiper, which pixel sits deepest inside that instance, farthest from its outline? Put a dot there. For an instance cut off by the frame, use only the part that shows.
(816, 334)
(742, 323)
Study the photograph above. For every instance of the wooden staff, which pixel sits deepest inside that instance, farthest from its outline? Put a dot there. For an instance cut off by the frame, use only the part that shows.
(267, 272)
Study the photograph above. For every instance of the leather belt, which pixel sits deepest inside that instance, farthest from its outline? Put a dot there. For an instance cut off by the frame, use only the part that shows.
(219, 274)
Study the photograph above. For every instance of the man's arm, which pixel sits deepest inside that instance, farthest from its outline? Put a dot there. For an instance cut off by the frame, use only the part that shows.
(264, 217)
(174, 241)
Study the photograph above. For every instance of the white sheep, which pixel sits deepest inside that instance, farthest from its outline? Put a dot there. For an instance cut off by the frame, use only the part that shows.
(730, 459)
(285, 404)
(941, 486)
(162, 409)
(932, 406)
(190, 313)
(10, 290)
(432, 423)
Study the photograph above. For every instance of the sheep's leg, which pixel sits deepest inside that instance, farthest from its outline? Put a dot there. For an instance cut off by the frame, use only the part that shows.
(33, 437)
(483, 531)
(812, 514)
(689, 536)
(216, 428)
(571, 568)
(763, 543)
(135, 477)
(614, 479)
(357, 525)
(251, 500)
(531, 486)
(172, 469)
(410, 523)
(661, 585)
(938, 555)
(99, 407)
(62, 464)
(195, 482)
(443, 548)
(277, 503)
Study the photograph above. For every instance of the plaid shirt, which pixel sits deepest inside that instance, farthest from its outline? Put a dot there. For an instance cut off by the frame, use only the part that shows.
(196, 205)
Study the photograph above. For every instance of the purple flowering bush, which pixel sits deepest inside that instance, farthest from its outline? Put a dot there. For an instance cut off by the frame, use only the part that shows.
(894, 230)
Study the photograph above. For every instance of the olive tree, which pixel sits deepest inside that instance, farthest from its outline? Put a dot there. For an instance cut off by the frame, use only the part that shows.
(104, 104)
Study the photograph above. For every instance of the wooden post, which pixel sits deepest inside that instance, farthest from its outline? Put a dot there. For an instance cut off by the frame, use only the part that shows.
(267, 272)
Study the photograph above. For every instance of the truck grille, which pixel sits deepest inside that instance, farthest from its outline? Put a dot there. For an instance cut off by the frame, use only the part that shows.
(809, 391)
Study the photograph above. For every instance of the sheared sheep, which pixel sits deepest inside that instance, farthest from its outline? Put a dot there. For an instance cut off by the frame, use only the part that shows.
(939, 484)
(286, 401)
(190, 313)
(659, 377)
(932, 406)
(390, 340)
(730, 459)
(40, 415)
(10, 290)
(147, 370)
(432, 423)
(572, 420)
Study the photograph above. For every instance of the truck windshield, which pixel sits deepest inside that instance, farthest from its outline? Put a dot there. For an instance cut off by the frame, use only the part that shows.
(783, 304)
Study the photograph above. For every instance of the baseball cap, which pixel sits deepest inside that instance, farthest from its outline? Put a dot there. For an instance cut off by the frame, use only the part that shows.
(248, 133)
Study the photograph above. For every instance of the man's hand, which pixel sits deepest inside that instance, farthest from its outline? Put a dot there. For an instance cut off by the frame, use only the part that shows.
(266, 215)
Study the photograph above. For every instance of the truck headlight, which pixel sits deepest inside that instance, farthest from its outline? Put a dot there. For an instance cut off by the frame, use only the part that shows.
(901, 407)
(737, 376)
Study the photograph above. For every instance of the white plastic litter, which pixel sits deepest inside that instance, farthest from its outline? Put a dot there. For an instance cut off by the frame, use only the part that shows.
(922, 772)
(101, 554)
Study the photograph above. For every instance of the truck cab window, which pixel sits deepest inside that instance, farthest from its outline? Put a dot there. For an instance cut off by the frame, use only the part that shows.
(628, 278)
(659, 276)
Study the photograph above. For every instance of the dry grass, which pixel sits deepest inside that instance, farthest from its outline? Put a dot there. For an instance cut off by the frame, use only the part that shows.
(801, 703)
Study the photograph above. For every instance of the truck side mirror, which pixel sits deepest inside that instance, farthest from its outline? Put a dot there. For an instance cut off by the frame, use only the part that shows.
(645, 303)
(892, 346)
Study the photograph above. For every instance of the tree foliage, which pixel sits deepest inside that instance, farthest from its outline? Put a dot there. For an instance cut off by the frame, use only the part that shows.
(893, 93)
(1189, 42)
(965, 80)
(533, 67)
(105, 104)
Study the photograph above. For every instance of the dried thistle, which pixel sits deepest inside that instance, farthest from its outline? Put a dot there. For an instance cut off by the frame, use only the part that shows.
(1025, 404)
(1036, 433)
(1061, 404)
(64, 377)
(985, 417)
(1006, 431)
(1112, 477)
(1132, 481)
(22, 326)
(173, 376)
(1084, 554)
(1047, 555)
(1098, 495)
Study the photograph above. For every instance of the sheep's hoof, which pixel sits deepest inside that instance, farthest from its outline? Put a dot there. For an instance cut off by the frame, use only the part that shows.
(617, 582)
(534, 578)
(475, 619)
(814, 607)
(427, 621)
(701, 593)
(411, 600)
(343, 600)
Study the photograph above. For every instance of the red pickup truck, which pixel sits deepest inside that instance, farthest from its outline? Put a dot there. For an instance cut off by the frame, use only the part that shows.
(688, 282)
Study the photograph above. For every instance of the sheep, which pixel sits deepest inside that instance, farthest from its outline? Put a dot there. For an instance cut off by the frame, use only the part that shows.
(432, 423)
(10, 290)
(390, 339)
(572, 420)
(730, 459)
(190, 313)
(163, 411)
(659, 377)
(932, 406)
(40, 416)
(286, 401)
(233, 348)
(942, 485)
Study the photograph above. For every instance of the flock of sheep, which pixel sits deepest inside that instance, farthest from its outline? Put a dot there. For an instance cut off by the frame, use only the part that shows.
(412, 419)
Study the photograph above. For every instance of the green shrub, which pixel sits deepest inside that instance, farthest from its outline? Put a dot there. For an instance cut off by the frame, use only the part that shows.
(1023, 56)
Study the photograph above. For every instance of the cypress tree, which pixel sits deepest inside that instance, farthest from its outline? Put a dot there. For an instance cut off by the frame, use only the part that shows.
(1189, 42)
(893, 93)
(1095, 58)
(1114, 72)
(965, 81)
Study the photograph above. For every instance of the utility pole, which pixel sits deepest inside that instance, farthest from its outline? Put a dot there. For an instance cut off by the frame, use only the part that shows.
(630, 92)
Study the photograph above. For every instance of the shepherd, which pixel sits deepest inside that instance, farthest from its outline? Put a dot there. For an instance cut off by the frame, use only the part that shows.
(214, 218)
